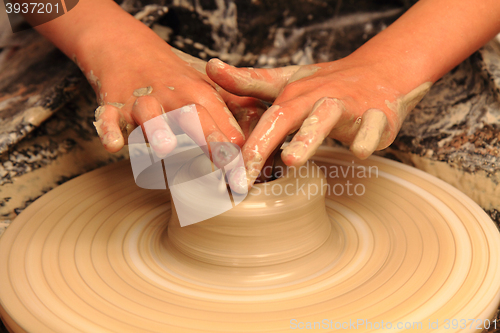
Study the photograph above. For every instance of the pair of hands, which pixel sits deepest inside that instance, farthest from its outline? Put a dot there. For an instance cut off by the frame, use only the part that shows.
(349, 100)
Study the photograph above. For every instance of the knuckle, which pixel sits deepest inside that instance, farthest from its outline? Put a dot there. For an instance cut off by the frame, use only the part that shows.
(144, 101)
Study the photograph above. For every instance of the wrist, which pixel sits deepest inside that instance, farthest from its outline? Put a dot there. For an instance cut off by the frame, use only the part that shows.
(405, 68)
(118, 39)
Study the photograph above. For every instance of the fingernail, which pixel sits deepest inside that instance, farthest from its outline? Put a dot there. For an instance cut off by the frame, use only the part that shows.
(223, 153)
(217, 63)
(238, 181)
(309, 126)
(295, 149)
(112, 139)
(161, 139)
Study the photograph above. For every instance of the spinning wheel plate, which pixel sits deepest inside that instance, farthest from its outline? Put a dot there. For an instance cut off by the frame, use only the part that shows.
(91, 256)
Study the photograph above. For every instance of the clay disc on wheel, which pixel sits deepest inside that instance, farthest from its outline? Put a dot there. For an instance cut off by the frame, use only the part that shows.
(410, 252)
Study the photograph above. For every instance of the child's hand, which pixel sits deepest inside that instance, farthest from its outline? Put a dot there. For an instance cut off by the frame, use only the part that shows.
(137, 85)
(137, 76)
(350, 100)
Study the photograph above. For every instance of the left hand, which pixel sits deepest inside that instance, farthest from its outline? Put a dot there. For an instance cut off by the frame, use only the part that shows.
(352, 100)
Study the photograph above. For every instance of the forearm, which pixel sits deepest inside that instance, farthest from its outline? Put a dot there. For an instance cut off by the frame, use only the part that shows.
(431, 38)
(91, 27)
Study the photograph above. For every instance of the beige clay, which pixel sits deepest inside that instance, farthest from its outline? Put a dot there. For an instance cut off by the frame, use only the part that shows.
(370, 133)
(99, 254)
(406, 103)
(143, 91)
(196, 63)
(118, 105)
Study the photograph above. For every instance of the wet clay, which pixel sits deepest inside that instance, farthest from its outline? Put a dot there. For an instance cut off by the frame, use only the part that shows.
(240, 237)
(100, 254)
(304, 71)
(196, 63)
(324, 115)
(371, 131)
(94, 80)
(111, 137)
(143, 91)
(118, 105)
(405, 104)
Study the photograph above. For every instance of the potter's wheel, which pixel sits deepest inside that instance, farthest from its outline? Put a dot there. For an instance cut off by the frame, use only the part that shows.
(94, 255)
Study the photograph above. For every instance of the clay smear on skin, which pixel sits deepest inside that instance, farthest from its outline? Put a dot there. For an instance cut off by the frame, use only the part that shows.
(110, 138)
(94, 80)
(143, 91)
(374, 122)
(75, 60)
(298, 149)
(309, 131)
(255, 163)
(125, 128)
(403, 105)
(253, 166)
(117, 105)
(373, 125)
(304, 71)
(96, 83)
(196, 63)
(270, 84)
(232, 121)
(252, 80)
(200, 65)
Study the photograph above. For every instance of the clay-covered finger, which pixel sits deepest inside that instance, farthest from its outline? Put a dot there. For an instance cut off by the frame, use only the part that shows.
(266, 173)
(324, 116)
(213, 105)
(109, 125)
(198, 124)
(265, 84)
(372, 128)
(148, 113)
(246, 110)
(275, 124)
(238, 181)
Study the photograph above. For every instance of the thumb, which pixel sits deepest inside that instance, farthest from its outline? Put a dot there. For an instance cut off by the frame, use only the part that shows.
(264, 83)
